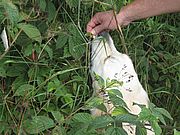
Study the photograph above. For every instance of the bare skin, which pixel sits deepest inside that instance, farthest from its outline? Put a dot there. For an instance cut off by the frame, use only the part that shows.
(136, 10)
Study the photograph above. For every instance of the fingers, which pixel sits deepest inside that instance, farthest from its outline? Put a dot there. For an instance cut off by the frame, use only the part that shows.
(98, 29)
(93, 23)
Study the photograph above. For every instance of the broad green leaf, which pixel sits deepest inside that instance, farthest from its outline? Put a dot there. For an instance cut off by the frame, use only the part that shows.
(115, 131)
(116, 92)
(49, 52)
(157, 129)
(42, 4)
(38, 124)
(146, 114)
(11, 11)
(119, 111)
(164, 112)
(59, 130)
(133, 119)
(100, 80)
(76, 47)
(23, 90)
(62, 40)
(101, 121)
(28, 50)
(94, 102)
(72, 3)
(2, 72)
(18, 69)
(31, 31)
(51, 11)
(117, 101)
(176, 132)
(159, 116)
(51, 86)
(58, 116)
(141, 130)
(76, 42)
(82, 117)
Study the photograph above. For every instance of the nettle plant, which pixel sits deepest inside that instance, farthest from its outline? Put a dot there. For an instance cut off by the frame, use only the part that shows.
(112, 124)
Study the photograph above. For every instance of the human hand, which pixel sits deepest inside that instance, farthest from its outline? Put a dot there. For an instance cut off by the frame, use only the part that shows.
(106, 21)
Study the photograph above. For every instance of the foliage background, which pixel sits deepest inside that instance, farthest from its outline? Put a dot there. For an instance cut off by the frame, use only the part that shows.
(44, 75)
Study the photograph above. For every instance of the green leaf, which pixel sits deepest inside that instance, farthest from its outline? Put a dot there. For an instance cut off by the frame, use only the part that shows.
(49, 51)
(157, 129)
(51, 11)
(100, 80)
(146, 114)
(58, 116)
(141, 130)
(117, 101)
(119, 111)
(116, 92)
(59, 130)
(159, 116)
(61, 41)
(76, 47)
(94, 102)
(164, 112)
(176, 132)
(51, 86)
(31, 31)
(82, 117)
(42, 4)
(72, 3)
(115, 131)
(129, 118)
(76, 42)
(101, 121)
(38, 124)
(2, 72)
(11, 11)
(23, 90)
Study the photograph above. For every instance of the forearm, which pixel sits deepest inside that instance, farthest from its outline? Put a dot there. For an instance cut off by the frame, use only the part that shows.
(140, 9)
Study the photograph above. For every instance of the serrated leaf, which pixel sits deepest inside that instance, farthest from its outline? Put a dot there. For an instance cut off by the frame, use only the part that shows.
(146, 114)
(164, 112)
(72, 3)
(115, 131)
(38, 124)
(11, 11)
(176, 132)
(119, 111)
(117, 101)
(76, 47)
(31, 31)
(61, 41)
(115, 92)
(59, 130)
(141, 130)
(159, 116)
(2, 72)
(51, 11)
(157, 129)
(49, 51)
(129, 118)
(100, 122)
(23, 90)
(58, 116)
(42, 4)
(82, 117)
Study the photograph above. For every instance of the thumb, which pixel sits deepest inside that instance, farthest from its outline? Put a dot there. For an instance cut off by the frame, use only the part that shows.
(98, 29)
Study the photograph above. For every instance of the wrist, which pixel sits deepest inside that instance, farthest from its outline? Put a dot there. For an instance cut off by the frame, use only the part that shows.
(123, 17)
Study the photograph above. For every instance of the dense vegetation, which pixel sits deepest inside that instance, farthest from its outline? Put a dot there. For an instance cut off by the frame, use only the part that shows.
(45, 86)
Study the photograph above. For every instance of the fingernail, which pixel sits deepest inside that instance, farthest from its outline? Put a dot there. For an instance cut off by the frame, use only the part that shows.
(93, 32)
